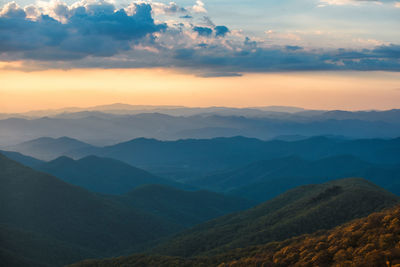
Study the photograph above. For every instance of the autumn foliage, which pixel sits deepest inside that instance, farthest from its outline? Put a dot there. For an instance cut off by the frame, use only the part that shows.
(372, 241)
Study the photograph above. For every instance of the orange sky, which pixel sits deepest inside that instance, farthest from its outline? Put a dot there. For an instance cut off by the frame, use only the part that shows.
(24, 91)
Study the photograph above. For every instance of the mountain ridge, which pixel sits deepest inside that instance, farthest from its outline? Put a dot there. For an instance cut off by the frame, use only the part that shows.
(304, 209)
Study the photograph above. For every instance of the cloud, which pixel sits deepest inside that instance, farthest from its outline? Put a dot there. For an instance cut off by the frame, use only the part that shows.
(171, 8)
(89, 30)
(203, 31)
(186, 17)
(199, 7)
(221, 30)
(220, 74)
(97, 34)
(354, 2)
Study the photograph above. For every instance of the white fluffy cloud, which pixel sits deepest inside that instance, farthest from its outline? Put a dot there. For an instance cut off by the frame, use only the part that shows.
(199, 7)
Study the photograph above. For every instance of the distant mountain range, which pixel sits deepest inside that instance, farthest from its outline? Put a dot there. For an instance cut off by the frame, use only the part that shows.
(117, 123)
(185, 160)
(46, 148)
(263, 180)
(126, 109)
(257, 181)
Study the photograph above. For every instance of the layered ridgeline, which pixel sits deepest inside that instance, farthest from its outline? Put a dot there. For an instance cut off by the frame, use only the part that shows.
(48, 222)
(258, 181)
(21, 158)
(367, 242)
(102, 175)
(100, 127)
(67, 221)
(219, 153)
(47, 148)
(263, 180)
(187, 159)
(305, 209)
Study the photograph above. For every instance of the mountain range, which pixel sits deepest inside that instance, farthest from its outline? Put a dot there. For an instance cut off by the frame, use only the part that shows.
(190, 159)
(46, 148)
(369, 241)
(47, 222)
(105, 127)
(304, 215)
(102, 175)
(215, 186)
(304, 209)
(265, 179)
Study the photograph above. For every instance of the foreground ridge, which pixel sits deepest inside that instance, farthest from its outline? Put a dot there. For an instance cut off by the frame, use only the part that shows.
(370, 241)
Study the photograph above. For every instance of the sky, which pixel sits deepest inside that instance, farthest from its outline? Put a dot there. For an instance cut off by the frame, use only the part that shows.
(329, 54)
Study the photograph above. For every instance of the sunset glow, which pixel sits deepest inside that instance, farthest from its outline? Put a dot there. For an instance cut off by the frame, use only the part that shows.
(89, 87)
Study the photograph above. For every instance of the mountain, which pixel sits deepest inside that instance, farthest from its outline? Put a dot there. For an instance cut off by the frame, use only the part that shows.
(103, 175)
(47, 148)
(390, 116)
(263, 180)
(191, 158)
(182, 158)
(126, 109)
(21, 158)
(286, 109)
(302, 210)
(38, 209)
(47, 222)
(184, 208)
(370, 241)
(110, 126)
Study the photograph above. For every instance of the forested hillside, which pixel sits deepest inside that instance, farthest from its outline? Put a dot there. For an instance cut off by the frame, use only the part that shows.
(367, 242)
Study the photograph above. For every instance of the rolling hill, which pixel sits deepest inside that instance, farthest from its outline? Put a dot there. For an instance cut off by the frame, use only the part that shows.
(48, 222)
(58, 213)
(305, 209)
(370, 241)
